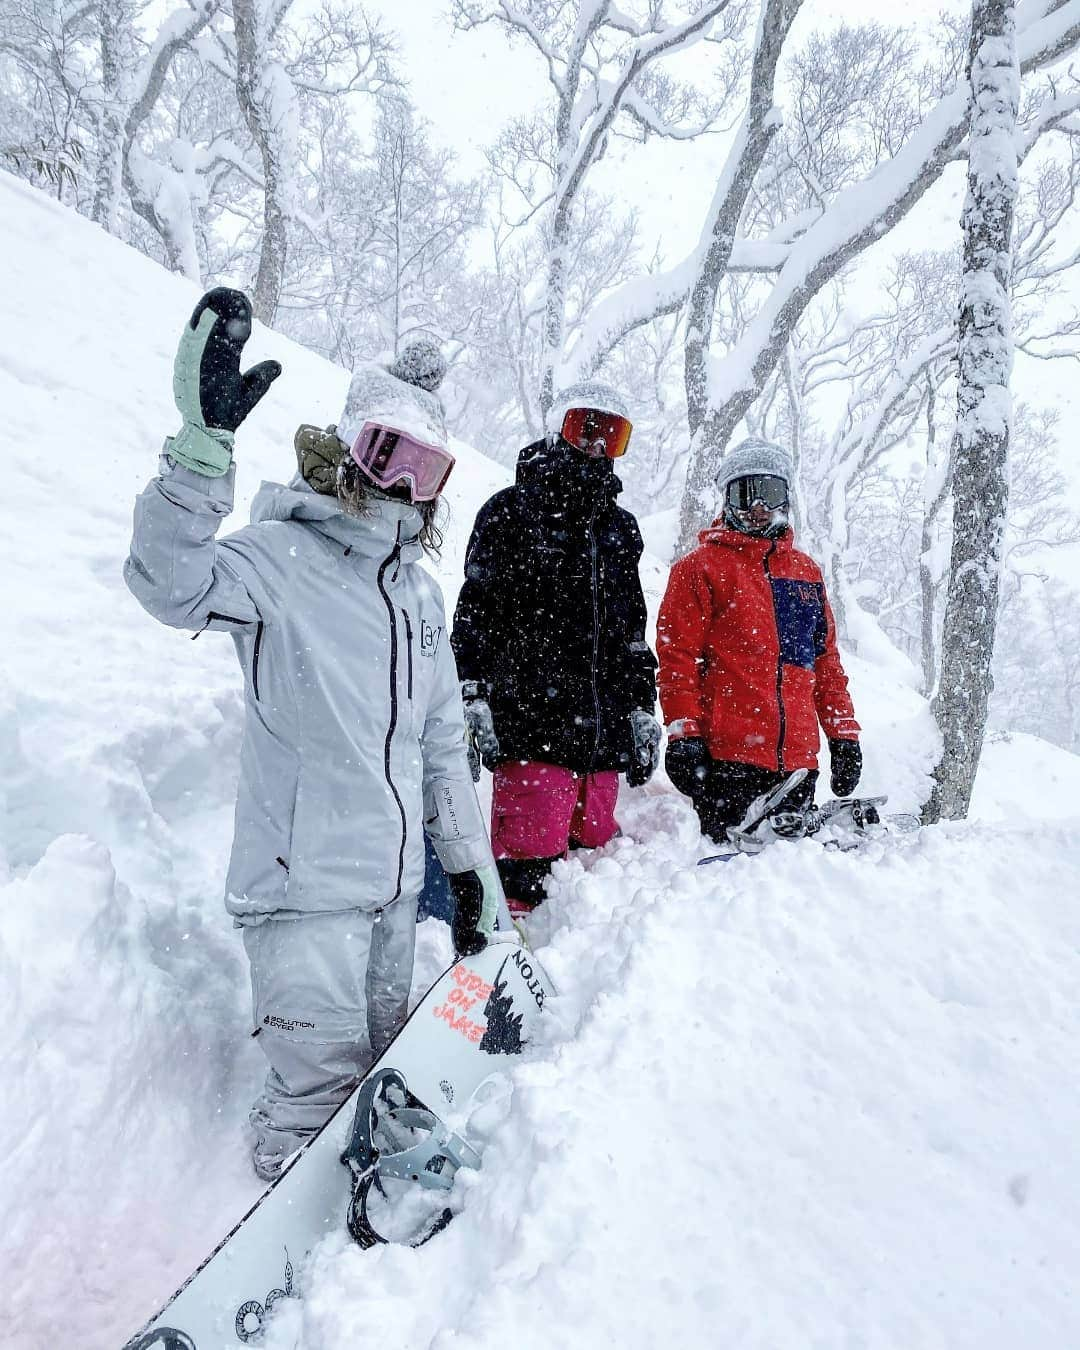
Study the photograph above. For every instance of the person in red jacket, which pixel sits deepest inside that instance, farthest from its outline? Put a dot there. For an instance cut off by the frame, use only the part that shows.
(748, 658)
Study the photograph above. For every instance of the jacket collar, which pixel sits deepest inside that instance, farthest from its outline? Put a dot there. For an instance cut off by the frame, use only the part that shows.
(372, 535)
(751, 544)
(563, 479)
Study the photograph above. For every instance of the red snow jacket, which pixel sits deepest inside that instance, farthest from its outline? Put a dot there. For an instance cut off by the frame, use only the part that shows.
(747, 650)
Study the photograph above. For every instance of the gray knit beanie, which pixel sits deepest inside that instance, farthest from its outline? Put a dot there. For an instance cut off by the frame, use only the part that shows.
(420, 363)
(755, 456)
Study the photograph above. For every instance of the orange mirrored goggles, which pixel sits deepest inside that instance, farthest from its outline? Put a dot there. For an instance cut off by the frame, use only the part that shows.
(586, 427)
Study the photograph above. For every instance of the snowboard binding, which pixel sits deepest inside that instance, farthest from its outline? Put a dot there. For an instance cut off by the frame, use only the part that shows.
(765, 822)
(842, 823)
(397, 1138)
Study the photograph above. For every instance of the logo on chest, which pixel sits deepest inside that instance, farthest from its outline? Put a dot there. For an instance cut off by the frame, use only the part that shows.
(430, 636)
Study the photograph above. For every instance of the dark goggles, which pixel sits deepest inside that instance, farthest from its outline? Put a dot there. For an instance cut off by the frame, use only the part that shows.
(583, 427)
(766, 488)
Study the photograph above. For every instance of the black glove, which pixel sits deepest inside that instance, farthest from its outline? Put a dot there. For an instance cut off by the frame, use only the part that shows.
(688, 762)
(476, 907)
(846, 760)
(481, 742)
(645, 731)
(210, 392)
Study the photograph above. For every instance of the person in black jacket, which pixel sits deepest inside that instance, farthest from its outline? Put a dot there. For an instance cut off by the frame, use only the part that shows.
(549, 634)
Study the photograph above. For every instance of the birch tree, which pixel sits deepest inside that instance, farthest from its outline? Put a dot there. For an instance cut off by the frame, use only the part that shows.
(802, 248)
(815, 248)
(981, 441)
(604, 67)
(271, 83)
(163, 187)
(116, 20)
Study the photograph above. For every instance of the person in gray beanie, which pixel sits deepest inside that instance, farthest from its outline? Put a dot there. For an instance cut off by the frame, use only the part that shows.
(354, 742)
(749, 666)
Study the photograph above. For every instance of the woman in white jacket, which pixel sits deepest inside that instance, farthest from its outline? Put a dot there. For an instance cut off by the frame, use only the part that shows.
(353, 737)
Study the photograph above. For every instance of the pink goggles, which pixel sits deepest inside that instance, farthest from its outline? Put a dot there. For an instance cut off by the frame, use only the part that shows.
(389, 457)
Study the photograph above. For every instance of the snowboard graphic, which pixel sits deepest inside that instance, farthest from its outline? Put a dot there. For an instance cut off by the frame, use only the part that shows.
(462, 1033)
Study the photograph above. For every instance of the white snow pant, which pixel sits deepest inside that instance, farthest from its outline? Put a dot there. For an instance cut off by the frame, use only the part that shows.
(328, 993)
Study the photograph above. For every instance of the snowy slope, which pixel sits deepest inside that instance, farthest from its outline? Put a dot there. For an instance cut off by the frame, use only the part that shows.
(123, 987)
(805, 1100)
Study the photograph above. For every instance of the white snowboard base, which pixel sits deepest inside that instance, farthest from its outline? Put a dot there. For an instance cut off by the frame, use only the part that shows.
(465, 1030)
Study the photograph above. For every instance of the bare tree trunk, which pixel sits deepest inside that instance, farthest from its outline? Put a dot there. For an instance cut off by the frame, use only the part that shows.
(752, 141)
(711, 428)
(929, 581)
(261, 102)
(115, 21)
(927, 587)
(981, 442)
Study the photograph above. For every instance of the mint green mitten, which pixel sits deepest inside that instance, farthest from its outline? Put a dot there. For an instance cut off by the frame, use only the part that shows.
(212, 395)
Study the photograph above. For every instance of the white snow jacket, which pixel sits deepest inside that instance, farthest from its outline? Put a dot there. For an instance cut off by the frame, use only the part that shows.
(353, 737)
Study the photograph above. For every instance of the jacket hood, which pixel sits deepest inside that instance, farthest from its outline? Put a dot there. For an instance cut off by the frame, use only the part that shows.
(564, 475)
(726, 537)
(372, 534)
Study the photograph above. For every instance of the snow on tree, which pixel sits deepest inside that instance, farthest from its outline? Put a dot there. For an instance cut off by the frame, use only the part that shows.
(269, 86)
(980, 449)
(602, 65)
(792, 232)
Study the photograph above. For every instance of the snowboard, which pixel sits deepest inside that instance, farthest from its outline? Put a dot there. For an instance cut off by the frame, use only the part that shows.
(842, 823)
(463, 1033)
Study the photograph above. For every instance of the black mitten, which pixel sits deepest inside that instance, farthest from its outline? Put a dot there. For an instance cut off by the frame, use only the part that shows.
(687, 762)
(846, 759)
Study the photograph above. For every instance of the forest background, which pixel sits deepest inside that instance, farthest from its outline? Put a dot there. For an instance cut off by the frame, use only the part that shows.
(746, 213)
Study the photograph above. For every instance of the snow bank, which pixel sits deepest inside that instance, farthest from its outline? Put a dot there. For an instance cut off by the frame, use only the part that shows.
(810, 1100)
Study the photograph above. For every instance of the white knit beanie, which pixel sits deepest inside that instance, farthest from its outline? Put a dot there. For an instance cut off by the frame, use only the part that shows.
(376, 395)
(586, 394)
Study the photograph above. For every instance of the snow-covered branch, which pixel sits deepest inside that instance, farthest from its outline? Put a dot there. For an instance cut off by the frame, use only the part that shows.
(858, 215)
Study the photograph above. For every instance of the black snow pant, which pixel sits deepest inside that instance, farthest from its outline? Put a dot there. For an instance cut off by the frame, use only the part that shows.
(729, 788)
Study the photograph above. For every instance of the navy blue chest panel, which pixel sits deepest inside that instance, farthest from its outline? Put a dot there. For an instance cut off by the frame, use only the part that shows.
(800, 620)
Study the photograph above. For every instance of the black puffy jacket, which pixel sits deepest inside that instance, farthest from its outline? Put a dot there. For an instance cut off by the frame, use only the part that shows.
(550, 622)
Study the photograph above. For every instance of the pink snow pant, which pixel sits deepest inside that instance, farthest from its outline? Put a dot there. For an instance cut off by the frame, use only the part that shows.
(537, 809)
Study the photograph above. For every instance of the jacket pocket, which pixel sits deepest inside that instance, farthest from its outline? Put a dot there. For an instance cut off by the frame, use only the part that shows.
(255, 655)
(408, 653)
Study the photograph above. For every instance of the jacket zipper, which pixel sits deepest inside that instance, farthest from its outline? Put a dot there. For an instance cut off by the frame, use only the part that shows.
(255, 661)
(408, 649)
(779, 666)
(393, 710)
(594, 580)
(225, 618)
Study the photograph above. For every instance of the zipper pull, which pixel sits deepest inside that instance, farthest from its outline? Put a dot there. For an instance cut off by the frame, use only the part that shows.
(378, 915)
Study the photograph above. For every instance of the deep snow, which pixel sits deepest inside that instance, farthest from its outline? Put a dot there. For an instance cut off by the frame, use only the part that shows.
(806, 1100)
